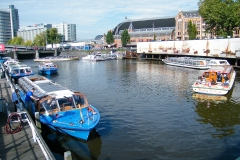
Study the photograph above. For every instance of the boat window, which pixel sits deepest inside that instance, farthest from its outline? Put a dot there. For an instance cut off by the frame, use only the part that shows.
(67, 101)
(16, 71)
(81, 100)
(50, 105)
(21, 70)
(28, 70)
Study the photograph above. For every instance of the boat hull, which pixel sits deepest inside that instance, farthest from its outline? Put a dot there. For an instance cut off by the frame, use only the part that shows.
(48, 72)
(71, 123)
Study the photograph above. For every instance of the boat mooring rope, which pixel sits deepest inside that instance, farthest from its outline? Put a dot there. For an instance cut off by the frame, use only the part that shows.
(9, 129)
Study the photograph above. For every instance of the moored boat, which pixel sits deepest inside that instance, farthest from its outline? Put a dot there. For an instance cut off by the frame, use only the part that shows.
(88, 57)
(57, 58)
(18, 70)
(47, 68)
(218, 80)
(59, 108)
(10, 61)
(98, 57)
(194, 62)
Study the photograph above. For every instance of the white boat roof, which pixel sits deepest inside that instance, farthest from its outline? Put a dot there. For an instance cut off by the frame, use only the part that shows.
(50, 88)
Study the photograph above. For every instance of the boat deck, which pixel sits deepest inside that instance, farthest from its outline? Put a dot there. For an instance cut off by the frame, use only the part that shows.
(19, 145)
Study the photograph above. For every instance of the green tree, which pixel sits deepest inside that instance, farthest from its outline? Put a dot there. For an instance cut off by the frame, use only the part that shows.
(53, 36)
(28, 43)
(125, 38)
(40, 39)
(16, 41)
(221, 17)
(109, 37)
(192, 30)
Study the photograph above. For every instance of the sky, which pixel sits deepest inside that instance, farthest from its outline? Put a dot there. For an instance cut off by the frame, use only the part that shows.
(94, 17)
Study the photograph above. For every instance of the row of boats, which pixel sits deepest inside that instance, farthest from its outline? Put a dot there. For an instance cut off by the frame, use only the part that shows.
(218, 79)
(59, 108)
(16, 69)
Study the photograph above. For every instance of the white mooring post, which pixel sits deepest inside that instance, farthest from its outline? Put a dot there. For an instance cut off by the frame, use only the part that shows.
(67, 155)
(37, 120)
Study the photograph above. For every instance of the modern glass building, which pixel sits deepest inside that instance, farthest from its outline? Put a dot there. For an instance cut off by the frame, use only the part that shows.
(9, 24)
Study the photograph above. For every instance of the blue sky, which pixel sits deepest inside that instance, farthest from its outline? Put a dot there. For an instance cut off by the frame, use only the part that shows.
(94, 17)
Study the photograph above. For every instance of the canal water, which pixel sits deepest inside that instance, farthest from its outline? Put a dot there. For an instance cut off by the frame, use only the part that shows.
(148, 111)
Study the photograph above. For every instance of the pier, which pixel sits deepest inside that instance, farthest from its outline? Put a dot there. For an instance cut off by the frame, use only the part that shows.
(25, 144)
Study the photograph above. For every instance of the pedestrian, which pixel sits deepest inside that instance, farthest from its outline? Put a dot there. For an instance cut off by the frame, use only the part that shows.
(15, 99)
(28, 100)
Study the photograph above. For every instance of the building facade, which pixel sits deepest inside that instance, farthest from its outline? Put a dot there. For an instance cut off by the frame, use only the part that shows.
(145, 30)
(182, 20)
(9, 24)
(68, 31)
(30, 32)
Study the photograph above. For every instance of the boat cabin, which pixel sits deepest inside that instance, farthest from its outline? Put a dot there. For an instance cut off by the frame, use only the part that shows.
(215, 62)
(217, 74)
(52, 104)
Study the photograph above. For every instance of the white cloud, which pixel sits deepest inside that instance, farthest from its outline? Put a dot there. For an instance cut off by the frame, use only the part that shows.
(93, 17)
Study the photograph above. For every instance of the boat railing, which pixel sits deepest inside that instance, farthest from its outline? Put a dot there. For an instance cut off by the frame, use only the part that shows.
(35, 133)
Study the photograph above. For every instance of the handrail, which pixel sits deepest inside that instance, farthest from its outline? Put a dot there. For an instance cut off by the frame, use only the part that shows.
(35, 133)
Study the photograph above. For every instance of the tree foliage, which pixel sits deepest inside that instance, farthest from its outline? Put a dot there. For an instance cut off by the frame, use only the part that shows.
(16, 41)
(192, 30)
(53, 36)
(125, 38)
(40, 39)
(28, 43)
(220, 16)
(109, 37)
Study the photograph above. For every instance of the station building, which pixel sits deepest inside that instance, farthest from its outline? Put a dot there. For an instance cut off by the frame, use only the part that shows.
(164, 29)
(145, 30)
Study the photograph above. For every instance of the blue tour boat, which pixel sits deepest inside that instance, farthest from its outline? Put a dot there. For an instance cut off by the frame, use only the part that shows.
(18, 70)
(59, 108)
(47, 68)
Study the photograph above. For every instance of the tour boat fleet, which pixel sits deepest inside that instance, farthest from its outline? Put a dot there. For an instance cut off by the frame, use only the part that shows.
(47, 68)
(194, 62)
(59, 108)
(218, 80)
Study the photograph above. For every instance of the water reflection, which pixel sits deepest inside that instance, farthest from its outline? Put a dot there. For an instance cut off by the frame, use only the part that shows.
(60, 143)
(218, 111)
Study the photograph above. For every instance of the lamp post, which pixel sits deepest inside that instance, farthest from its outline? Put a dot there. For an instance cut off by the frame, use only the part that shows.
(45, 29)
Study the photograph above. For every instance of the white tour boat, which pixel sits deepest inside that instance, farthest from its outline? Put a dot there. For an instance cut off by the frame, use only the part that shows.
(218, 80)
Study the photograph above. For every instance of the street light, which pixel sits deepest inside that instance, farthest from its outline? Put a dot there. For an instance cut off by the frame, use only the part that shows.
(45, 29)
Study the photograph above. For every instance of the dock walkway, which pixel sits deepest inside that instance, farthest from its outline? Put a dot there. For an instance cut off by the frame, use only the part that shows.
(19, 145)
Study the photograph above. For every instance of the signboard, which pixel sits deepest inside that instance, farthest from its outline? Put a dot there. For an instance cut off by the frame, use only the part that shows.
(2, 47)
